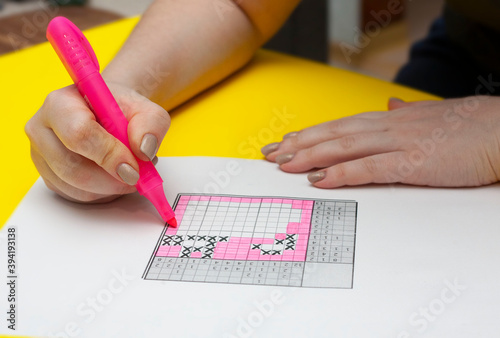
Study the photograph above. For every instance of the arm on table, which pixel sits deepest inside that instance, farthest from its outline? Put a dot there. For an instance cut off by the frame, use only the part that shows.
(449, 143)
(178, 49)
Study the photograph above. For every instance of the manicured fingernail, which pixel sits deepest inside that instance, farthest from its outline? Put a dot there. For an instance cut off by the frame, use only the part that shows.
(284, 158)
(149, 145)
(292, 134)
(395, 99)
(316, 177)
(266, 150)
(155, 160)
(127, 174)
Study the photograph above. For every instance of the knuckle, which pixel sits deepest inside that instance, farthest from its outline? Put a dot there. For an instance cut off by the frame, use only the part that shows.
(30, 129)
(78, 135)
(289, 143)
(51, 98)
(106, 153)
(340, 172)
(347, 142)
(163, 116)
(295, 141)
(334, 127)
(309, 153)
(370, 164)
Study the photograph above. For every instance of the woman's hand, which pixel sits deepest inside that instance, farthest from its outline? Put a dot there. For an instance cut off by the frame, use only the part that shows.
(450, 143)
(79, 159)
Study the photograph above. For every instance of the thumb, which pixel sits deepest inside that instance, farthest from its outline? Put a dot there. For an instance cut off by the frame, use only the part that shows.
(395, 103)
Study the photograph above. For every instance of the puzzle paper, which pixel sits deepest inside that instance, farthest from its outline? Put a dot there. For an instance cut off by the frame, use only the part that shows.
(258, 240)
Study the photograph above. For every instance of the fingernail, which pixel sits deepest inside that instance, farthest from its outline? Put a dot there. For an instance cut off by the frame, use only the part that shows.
(316, 177)
(266, 150)
(284, 158)
(292, 134)
(155, 160)
(149, 145)
(395, 99)
(127, 174)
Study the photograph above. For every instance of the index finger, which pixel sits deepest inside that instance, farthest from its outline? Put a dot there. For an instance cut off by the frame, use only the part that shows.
(326, 131)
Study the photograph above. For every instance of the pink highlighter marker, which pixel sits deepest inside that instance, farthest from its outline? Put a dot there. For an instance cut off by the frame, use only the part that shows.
(81, 63)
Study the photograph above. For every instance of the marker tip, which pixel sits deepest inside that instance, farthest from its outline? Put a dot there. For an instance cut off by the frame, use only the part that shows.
(172, 222)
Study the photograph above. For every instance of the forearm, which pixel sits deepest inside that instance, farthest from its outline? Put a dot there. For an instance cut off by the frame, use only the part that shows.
(180, 48)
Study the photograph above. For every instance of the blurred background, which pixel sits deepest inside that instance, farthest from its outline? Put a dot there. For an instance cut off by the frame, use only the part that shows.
(372, 37)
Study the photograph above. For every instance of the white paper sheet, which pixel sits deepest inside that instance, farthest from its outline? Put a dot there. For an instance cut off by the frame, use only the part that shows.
(426, 265)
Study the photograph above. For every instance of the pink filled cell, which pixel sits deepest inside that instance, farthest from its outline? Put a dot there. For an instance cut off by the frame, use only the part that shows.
(308, 205)
(244, 249)
(204, 198)
(179, 211)
(225, 199)
(194, 198)
(215, 198)
(184, 199)
(292, 228)
(253, 254)
(163, 250)
(241, 256)
(262, 240)
(267, 200)
(280, 236)
(304, 229)
(170, 252)
(196, 254)
(287, 201)
(240, 240)
(171, 231)
(232, 250)
(220, 247)
(299, 258)
(277, 200)
(245, 200)
(256, 200)
(236, 199)
(299, 247)
(276, 257)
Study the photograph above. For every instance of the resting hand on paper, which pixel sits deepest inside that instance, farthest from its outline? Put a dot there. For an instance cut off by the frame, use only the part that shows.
(80, 160)
(450, 143)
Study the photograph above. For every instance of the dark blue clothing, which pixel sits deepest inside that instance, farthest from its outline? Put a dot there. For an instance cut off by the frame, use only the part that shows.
(458, 58)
